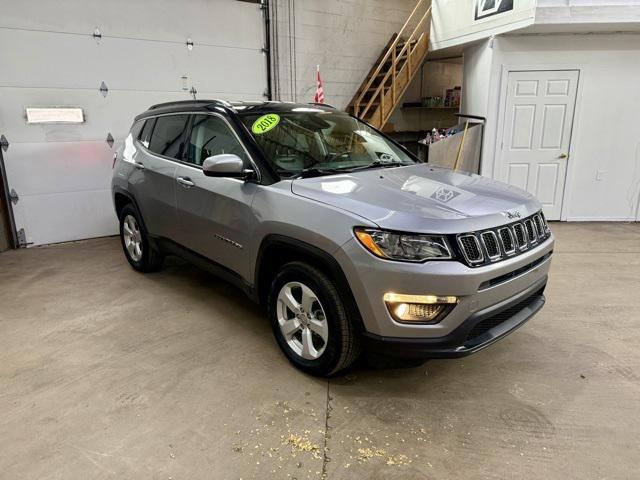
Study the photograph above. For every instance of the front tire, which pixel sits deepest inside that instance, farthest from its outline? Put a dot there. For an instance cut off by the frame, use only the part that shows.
(310, 321)
(140, 254)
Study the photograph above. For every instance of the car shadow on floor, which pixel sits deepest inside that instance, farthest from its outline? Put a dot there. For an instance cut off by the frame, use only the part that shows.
(233, 306)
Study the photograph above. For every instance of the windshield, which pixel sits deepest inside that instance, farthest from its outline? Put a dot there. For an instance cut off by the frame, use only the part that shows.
(318, 142)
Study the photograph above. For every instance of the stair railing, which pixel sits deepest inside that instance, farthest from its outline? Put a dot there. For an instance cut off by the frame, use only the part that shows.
(393, 72)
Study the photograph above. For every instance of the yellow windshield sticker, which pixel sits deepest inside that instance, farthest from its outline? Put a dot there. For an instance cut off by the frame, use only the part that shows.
(265, 123)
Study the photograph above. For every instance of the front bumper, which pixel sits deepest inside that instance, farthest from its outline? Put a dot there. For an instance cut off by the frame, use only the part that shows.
(479, 290)
(479, 331)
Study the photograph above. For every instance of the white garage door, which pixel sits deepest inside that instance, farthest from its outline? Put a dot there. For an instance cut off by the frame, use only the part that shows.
(60, 54)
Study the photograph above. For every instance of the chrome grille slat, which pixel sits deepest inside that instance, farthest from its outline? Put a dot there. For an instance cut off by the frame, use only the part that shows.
(520, 234)
(471, 248)
(544, 222)
(507, 240)
(490, 243)
(537, 221)
(531, 231)
(495, 244)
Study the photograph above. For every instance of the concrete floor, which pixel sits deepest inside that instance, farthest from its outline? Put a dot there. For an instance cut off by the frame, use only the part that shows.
(106, 373)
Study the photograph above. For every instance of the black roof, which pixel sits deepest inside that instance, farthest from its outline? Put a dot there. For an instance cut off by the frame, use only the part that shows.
(223, 106)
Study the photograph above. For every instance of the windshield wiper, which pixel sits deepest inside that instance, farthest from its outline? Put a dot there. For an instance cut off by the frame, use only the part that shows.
(379, 163)
(316, 172)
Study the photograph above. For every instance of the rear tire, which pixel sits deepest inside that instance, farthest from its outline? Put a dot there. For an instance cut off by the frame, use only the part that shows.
(140, 254)
(310, 321)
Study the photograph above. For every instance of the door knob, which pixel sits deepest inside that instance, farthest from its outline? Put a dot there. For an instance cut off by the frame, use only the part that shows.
(563, 155)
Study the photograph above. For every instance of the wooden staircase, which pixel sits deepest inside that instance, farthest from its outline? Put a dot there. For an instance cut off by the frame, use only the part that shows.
(382, 90)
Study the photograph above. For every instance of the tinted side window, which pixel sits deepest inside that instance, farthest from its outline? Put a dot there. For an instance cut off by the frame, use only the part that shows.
(210, 135)
(166, 138)
(145, 134)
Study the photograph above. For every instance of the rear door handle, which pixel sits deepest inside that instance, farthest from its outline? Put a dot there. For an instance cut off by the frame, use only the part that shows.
(139, 165)
(185, 182)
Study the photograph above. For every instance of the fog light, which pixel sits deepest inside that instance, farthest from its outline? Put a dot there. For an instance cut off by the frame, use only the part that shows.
(418, 308)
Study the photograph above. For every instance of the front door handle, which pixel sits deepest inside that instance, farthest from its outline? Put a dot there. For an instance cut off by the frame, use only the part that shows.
(185, 182)
(139, 165)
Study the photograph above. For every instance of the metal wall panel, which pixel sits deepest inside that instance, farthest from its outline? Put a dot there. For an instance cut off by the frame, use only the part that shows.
(51, 58)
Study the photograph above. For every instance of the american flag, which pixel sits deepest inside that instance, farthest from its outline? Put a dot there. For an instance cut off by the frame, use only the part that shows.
(319, 96)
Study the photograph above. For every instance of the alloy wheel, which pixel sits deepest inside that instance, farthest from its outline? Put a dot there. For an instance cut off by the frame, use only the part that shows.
(132, 238)
(302, 320)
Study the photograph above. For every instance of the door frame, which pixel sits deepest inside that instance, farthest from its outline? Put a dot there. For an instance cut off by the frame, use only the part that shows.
(573, 137)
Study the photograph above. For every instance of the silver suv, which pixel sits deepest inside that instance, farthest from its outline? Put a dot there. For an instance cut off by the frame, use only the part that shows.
(346, 239)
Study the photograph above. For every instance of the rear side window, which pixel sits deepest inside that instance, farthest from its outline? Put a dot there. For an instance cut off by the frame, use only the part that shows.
(167, 136)
(145, 134)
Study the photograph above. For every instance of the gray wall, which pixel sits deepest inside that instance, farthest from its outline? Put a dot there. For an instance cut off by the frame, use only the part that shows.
(344, 38)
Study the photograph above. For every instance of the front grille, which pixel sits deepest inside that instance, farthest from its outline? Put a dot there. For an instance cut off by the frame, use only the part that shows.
(487, 324)
(493, 245)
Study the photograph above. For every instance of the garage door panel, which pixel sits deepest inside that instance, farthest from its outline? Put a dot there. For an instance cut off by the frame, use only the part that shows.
(48, 168)
(222, 22)
(113, 115)
(71, 61)
(68, 216)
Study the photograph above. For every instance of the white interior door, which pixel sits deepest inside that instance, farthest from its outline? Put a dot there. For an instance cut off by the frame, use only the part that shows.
(537, 132)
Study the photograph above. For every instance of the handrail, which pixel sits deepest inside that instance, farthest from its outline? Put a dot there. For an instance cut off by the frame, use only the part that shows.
(391, 50)
(392, 71)
(393, 46)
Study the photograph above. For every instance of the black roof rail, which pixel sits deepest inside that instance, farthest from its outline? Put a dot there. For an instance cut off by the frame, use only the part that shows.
(322, 105)
(176, 103)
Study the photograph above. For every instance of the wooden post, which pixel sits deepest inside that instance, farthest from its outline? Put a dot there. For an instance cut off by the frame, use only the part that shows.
(461, 147)
(393, 76)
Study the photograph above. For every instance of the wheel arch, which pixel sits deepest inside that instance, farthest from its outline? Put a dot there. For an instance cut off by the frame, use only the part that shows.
(277, 250)
(121, 198)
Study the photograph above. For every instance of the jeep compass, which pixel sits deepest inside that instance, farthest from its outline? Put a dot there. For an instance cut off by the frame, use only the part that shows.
(347, 240)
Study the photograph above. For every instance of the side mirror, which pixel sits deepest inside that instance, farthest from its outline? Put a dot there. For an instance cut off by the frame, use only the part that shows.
(226, 165)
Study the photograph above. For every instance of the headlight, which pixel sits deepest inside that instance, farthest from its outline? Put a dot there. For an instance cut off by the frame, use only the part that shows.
(406, 247)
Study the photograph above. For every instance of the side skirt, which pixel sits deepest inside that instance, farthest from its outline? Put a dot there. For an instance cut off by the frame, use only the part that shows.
(169, 247)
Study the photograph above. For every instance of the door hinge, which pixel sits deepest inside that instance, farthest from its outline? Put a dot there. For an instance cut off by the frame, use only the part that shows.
(4, 143)
(22, 238)
(13, 196)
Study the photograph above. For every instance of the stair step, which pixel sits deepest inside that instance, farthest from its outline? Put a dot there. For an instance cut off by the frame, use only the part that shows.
(400, 45)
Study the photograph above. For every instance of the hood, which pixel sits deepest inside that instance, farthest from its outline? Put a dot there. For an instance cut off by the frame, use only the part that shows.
(421, 198)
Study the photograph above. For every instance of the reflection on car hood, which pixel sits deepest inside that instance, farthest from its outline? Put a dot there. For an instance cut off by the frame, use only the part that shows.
(421, 198)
